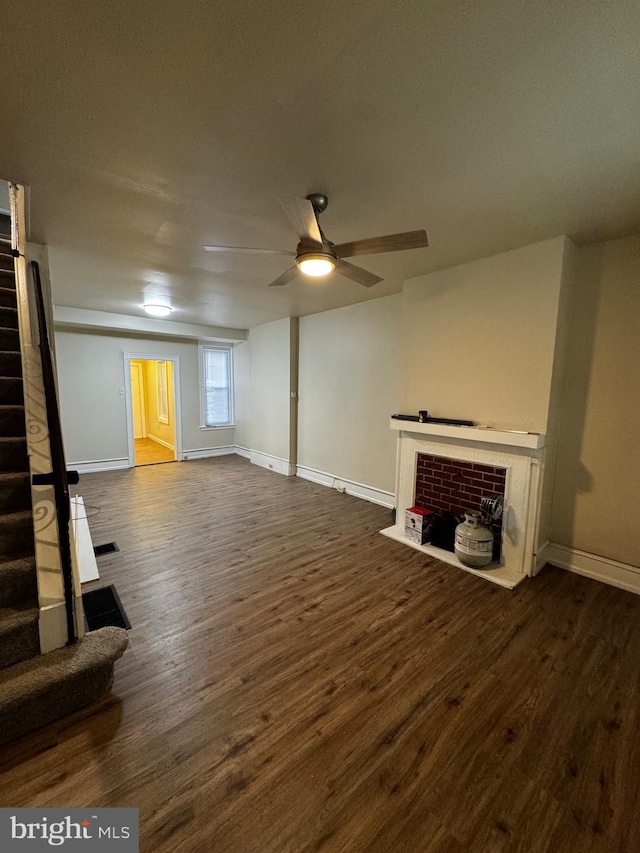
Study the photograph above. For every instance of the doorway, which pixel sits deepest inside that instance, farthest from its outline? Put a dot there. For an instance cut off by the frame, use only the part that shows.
(153, 417)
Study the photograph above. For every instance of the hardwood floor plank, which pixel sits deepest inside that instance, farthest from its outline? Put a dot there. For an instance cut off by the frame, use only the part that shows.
(297, 682)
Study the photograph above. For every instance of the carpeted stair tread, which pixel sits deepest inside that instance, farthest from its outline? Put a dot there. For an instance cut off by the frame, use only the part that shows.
(9, 339)
(8, 316)
(18, 581)
(11, 390)
(16, 535)
(39, 691)
(10, 364)
(11, 520)
(8, 296)
(13, 454)
(15, 491)
(19, 639)
(12, 422)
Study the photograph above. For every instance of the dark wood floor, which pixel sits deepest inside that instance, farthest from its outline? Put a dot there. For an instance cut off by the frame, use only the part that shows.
(297, 682)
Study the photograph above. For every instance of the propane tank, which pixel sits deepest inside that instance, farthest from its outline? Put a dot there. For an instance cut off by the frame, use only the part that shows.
(474, 541)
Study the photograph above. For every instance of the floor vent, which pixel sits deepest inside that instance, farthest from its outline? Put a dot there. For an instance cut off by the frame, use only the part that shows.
(103, 607)
(109, 548)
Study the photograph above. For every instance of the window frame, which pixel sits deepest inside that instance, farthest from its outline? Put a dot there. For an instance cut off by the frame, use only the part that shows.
(202, 349)
(162, 388)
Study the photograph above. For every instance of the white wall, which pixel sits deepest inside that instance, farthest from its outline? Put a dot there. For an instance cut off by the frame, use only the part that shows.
(479, 338)
(270, 422)
(596, 485)
(242, 393)
(349, 378)
(90, 375)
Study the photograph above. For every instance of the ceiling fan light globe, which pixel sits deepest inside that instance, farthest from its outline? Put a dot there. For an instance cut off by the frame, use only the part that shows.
(316, 265)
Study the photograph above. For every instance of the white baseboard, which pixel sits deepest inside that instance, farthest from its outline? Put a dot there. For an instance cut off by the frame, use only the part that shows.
(243, 451)
(273, 463)
(350, 487)
(161, 441)
(592, 566)
(541, 558)
(98, 465)
(205, 453)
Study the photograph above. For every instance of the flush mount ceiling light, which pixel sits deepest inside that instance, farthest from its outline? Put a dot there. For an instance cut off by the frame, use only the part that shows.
(157, 310)
(316, 264)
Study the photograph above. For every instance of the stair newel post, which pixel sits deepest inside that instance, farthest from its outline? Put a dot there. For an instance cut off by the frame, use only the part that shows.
(59, 478)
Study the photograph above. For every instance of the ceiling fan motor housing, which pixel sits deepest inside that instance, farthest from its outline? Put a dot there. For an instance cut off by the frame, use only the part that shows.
(319, 202)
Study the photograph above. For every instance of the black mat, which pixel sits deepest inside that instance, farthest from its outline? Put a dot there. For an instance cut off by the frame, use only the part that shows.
(103, 607)
(108, 548)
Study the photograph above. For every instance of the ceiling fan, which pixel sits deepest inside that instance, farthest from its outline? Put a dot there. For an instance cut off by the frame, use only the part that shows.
(317, 256)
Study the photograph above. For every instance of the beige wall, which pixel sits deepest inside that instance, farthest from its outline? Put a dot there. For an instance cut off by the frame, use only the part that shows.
(269, 427)
(242, 393)
(91, 373)
(479, 338)
(349, 372)
(596, 486)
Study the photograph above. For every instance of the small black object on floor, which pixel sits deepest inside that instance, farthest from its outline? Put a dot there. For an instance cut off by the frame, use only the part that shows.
(103, 607)
(108, 548)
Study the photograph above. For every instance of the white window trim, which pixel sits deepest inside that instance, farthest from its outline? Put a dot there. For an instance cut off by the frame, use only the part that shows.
(201, 349)
(162, 384)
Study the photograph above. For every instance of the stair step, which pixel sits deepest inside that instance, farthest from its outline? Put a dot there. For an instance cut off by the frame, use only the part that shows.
(6, 261)
(49, 687)
(8, 296)
(11, 391)
(19, 638)
(16, 535)
(13, 454)
(15, 491)
(12, 421)
(9, 339)
(10, 363)
(8, 317)
(18, 581)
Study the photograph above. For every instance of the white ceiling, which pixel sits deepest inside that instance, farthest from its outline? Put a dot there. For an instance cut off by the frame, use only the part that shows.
(146, 129)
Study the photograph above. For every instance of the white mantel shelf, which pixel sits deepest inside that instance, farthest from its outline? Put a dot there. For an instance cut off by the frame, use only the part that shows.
(500, 575)
(507, 438)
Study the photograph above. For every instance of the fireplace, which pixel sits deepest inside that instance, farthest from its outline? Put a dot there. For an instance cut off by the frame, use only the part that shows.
(446, 484)
(450, 468)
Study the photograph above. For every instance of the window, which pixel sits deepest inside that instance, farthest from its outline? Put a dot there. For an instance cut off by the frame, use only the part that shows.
(163, 392)
(217, 385)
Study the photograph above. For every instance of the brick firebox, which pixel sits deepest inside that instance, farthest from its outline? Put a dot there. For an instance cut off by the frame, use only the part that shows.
(444, 484)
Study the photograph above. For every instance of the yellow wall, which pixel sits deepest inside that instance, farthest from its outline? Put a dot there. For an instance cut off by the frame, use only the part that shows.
(165, 432)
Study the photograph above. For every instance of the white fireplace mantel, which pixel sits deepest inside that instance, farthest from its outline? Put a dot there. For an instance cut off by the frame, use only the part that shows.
(520, 453)
(486, 435)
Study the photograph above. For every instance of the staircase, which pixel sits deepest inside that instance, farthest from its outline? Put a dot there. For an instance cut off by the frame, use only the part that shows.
(19, 638)
(35, 689)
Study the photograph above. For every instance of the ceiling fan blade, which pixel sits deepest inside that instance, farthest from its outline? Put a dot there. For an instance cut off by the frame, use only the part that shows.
(357, 273)
(286, 277)
(243, 249)
(389, 243)
(302, 216)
